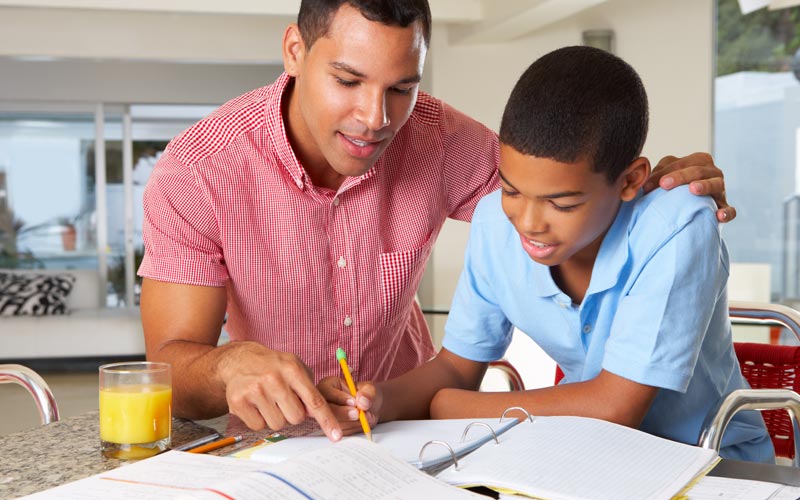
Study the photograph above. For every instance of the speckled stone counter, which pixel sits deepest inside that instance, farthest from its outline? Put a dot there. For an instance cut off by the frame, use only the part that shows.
(65, 451)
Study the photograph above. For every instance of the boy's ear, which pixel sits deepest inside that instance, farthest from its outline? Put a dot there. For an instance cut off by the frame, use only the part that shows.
(294, 50)
(634, 177)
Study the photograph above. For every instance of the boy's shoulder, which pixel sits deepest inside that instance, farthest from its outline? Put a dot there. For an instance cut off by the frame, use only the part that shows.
(489, 209)
(673, 209)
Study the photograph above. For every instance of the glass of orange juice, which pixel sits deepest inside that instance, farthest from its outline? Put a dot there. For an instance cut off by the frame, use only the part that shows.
(135, 409)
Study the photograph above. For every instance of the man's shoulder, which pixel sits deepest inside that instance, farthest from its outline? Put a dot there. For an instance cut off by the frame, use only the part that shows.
(223, 126)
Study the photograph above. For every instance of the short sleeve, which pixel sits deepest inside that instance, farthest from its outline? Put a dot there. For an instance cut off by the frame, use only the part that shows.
(471, 156)
(477, 328)
(181, 235)
(662, 319)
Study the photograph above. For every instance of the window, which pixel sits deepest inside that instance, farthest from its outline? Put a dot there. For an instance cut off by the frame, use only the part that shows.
(756, 137)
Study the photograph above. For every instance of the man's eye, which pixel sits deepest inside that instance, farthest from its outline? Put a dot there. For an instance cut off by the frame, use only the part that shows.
(402, 91)
(346, 83)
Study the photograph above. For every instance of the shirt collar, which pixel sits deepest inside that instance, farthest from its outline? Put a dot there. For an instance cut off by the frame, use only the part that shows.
(280, 139)
(608, 266)
(613, 252)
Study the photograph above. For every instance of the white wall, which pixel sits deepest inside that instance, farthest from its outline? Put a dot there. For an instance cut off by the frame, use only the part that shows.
(670, 44)
(668, 41)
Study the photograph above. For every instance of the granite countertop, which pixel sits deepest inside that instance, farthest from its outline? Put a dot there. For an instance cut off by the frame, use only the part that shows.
(68, 450)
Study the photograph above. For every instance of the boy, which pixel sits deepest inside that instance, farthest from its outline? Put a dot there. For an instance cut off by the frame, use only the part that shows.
(626, 293)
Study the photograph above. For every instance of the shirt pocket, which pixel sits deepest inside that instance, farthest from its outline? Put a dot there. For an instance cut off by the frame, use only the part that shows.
(401, 273)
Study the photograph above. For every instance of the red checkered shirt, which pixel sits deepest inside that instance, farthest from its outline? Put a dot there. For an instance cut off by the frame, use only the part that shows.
(308, 269)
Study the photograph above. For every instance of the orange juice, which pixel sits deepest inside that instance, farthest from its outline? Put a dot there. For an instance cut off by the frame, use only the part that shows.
(135, 413)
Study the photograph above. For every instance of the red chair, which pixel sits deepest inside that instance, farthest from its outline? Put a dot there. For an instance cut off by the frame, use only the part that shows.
(767, 366)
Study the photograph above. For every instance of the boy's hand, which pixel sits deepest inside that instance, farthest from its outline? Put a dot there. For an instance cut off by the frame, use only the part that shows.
(345, 407)
(697, 170)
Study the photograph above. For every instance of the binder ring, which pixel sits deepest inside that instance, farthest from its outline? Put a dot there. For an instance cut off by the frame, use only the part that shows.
(443, 443)
(482, 424)
(523, 410)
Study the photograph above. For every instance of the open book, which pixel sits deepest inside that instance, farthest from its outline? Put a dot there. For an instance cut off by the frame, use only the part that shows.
(355, 470)
(404, 439)
(578, 458)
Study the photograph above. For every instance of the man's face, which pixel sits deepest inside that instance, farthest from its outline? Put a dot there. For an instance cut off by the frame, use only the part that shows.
(354, 89)
(560, 210)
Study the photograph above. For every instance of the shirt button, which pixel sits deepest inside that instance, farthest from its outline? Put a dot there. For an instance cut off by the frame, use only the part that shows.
(336, 202)
(341, 262)
(348, 321)
(587, 328)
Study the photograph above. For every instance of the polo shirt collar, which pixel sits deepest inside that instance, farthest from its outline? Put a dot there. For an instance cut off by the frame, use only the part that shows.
(608, 266)
(613, 254)
(280, 139)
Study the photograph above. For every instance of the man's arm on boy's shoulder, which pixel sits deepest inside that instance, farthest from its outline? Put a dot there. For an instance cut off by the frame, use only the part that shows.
(607, 397)
(699, 171)
(263, 387)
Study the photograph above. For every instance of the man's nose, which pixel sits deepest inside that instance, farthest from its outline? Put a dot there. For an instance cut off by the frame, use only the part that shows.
(373, 111)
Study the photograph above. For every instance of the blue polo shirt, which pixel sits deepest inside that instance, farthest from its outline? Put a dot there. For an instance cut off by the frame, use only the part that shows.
(655, 312)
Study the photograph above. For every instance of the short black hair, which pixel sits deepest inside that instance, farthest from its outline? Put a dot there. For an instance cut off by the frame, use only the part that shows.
(315, 16)
(578, 103)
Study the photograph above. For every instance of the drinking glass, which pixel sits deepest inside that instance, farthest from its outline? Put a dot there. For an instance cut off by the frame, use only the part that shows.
(135, 409)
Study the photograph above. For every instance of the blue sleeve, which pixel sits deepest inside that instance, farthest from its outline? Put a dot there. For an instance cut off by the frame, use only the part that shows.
(663, 317)
(477, 329)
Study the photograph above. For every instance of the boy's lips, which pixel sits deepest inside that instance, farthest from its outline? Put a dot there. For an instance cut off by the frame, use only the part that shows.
(537, 249)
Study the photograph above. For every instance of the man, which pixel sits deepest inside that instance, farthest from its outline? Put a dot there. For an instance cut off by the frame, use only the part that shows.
(306, 210)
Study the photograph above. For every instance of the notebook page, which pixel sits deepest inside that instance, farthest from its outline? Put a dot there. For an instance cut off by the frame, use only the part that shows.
(355, 470)
(581, 458)
(402, 438)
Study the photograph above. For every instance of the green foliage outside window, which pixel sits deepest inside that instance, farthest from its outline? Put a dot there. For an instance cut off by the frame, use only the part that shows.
(763, 40)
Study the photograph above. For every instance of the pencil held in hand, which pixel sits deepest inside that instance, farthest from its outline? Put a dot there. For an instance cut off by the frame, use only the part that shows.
(342, 358)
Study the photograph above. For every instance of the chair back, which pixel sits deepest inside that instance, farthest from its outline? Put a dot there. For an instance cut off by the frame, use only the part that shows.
(767, 366)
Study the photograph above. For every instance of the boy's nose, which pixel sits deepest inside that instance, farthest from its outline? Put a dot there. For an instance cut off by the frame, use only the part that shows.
(531, 220)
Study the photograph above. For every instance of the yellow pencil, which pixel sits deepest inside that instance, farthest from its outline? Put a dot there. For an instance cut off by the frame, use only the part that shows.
(342, 357)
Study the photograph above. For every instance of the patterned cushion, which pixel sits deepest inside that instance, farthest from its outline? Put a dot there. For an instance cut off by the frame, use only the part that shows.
(34, 294)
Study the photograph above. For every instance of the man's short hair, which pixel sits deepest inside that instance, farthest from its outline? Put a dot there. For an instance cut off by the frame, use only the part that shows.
(578, 103)
(315, 16)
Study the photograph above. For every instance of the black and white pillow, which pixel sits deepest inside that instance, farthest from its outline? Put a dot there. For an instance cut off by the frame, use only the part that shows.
(34, 294)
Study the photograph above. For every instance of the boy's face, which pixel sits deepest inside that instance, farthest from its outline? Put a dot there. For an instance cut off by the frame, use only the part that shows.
(560, 210)
(354, 89)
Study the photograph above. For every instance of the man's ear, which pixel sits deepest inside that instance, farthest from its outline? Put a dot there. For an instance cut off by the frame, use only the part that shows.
(294, 50)
(634, 177)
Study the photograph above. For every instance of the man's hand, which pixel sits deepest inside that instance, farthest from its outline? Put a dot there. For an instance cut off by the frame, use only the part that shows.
(263, 387)
(697, 170)
(267, 388)
(345, 407)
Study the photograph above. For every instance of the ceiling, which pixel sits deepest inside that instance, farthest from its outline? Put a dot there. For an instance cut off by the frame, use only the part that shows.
(483, 21)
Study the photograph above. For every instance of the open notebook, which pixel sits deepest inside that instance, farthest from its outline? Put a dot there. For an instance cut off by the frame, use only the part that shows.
(578, 458)
(404, 439)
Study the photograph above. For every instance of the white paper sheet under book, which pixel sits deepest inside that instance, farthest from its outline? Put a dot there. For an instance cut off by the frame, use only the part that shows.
(575, 458)
(404, 439)
(356, 470)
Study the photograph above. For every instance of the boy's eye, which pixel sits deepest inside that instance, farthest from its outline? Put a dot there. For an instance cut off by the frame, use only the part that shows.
(345, 83)
(508, 192)
(564, 208)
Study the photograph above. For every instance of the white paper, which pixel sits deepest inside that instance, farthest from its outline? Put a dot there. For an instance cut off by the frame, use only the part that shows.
(725, 488)
(403, 439)
(356, 470)
(574, 458)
